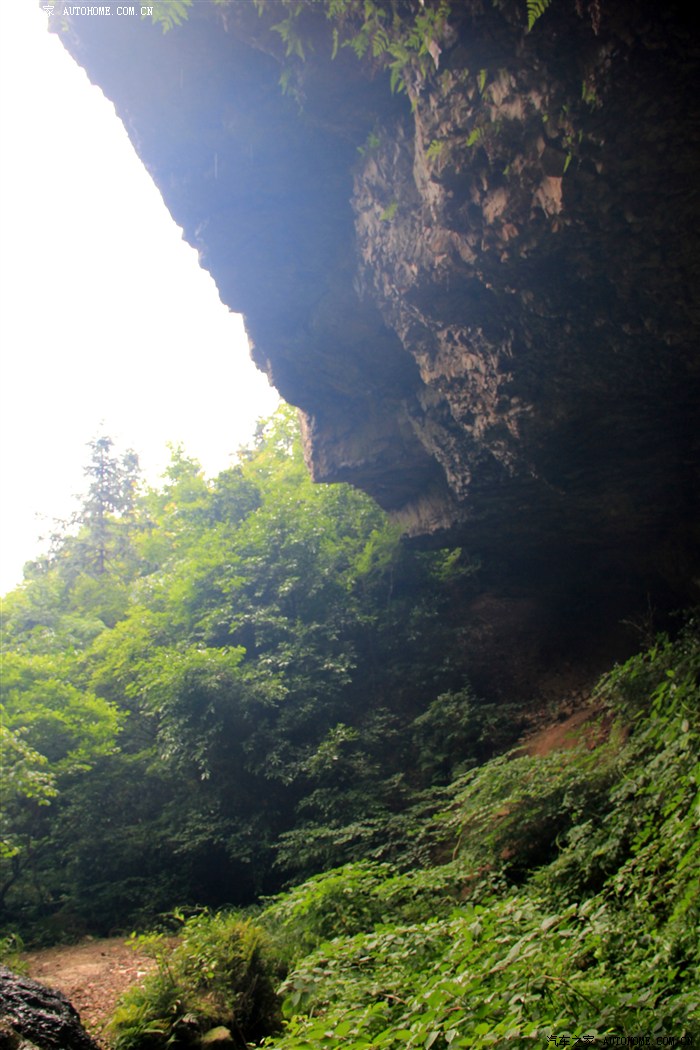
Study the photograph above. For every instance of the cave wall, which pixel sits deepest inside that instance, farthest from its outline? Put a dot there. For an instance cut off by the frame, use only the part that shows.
(482, 293)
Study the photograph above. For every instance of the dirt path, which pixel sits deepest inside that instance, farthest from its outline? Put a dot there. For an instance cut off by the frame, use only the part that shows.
(92, 974)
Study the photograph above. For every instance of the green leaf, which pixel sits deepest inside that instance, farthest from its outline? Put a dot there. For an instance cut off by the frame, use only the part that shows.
(535, 10)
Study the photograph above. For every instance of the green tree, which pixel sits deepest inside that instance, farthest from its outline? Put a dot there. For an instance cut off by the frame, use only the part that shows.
(25, 784)
(97, 544)
(53, 733)
(113, 482)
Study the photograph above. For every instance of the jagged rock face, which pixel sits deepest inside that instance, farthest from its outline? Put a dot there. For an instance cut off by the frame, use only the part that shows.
(489, 312)
(34, 1016)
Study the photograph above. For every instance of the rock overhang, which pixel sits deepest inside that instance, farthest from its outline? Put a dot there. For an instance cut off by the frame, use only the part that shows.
(483, 297)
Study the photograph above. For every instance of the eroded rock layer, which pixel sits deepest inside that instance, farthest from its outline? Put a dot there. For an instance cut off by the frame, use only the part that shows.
(482, 293)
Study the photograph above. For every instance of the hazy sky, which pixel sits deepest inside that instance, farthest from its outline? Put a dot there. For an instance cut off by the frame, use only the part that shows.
(107, 322)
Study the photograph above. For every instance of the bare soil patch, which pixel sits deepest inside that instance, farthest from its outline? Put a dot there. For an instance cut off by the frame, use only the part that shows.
(92, 974)
(590, 726)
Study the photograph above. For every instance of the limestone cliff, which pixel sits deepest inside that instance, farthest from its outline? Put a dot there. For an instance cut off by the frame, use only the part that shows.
(482, 293)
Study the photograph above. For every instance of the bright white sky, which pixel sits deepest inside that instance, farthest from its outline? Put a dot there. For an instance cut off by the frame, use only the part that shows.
(107, 323)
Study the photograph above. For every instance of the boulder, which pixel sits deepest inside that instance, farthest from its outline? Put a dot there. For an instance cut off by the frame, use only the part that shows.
(33, 1016)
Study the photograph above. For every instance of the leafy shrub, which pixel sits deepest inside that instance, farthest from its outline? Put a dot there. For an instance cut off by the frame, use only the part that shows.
(514, 814)
(11, 948)
(458, 731)
(337, 903)
(355, 899)
(218, 972)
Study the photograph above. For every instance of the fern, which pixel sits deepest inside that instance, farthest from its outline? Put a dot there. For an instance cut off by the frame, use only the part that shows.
(535, 10)
(435, 149)
(291, 36)
(169, 13)
(475, 136)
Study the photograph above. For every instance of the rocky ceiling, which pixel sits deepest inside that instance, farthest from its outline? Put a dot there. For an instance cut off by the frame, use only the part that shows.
(482, 293)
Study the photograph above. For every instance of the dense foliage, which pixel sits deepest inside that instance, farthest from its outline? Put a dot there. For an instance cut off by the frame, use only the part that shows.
(214, 686)
(568, 912)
